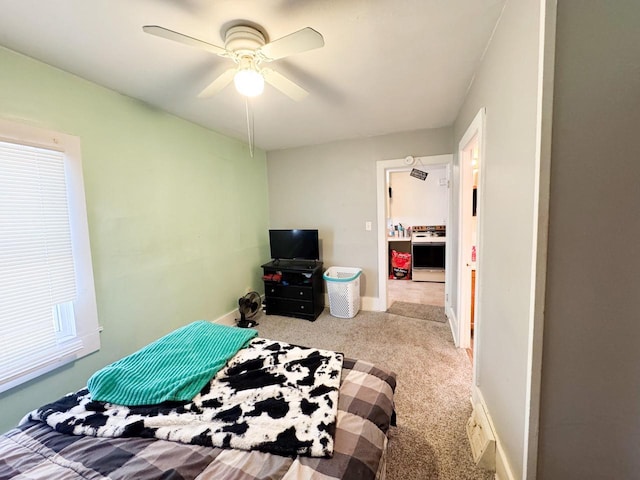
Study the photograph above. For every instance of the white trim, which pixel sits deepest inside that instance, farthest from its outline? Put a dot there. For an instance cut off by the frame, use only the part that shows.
(370, 304)
(477, 338)
(546, 62)
(381, 171)
(450, 312)
(373, 304)
(462, 335)
(228, 318)
(475, 131)
(231, 317)
(40, 370)
(448, 273)
(503, 468)
(453, 321)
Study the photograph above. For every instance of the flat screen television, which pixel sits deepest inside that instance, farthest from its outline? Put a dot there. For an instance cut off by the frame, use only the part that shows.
(294, 244)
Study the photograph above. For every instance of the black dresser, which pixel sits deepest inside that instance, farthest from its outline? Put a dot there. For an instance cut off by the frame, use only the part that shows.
(294, 288)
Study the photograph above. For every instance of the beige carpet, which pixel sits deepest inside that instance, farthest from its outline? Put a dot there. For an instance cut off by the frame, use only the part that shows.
(433, 391)
(417, 310)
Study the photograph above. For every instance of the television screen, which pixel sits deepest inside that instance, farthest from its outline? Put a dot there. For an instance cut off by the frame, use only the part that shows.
(294, 244)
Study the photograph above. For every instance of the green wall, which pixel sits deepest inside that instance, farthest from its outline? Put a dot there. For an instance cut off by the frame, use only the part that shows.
(178, 215)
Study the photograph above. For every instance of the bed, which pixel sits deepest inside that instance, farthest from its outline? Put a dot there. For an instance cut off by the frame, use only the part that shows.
(78, 437)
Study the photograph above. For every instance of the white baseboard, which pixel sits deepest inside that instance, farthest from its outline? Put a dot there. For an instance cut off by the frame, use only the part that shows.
(370, 304)
(503, 469)
(231, 317)
(453, 325)
(228, 318)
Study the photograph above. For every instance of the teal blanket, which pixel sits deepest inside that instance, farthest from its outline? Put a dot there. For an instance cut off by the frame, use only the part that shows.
(174, 368)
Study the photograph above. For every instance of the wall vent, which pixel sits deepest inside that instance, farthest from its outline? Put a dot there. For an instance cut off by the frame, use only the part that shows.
(482, 439)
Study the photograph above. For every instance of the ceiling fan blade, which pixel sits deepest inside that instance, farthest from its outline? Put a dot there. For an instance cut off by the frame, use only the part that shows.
(218, 84)
(184, 39)
(282, 83)
(296, 42)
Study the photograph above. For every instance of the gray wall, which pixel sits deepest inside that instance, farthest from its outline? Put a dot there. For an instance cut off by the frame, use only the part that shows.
(590, 401)
(506, 84)
(332, 187)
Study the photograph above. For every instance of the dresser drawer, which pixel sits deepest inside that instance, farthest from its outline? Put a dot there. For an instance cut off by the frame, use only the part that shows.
(298, 293)
(279, 305)
(289, 291)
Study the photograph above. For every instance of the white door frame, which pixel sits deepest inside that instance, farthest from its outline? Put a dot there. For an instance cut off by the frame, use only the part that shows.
(382, 167)
(475, 134)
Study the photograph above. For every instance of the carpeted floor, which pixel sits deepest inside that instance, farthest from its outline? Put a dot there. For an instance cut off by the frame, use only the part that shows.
(433, 391)
(417, 310)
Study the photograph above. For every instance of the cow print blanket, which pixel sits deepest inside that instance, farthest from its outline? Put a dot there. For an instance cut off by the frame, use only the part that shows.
(272, 396)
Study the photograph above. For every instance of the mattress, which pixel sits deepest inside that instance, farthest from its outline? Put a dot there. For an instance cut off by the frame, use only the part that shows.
(364, 415)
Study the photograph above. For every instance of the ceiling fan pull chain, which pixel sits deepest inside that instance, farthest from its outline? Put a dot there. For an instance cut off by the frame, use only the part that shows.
(250, 129)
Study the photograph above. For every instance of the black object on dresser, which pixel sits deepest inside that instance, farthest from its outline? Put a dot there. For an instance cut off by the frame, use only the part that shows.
(294, 288)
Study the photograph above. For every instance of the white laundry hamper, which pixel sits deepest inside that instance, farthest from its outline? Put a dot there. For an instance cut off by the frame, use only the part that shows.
(343, 287)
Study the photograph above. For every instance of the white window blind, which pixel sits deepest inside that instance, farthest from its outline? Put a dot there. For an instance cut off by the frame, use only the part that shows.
(37, 272)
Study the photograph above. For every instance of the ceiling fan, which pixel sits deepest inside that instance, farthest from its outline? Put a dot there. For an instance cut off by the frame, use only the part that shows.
(247, 47)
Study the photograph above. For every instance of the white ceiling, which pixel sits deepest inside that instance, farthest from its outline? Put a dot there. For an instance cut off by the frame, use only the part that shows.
(387, 66)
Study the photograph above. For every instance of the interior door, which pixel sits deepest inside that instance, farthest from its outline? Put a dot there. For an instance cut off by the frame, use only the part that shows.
(470, 155)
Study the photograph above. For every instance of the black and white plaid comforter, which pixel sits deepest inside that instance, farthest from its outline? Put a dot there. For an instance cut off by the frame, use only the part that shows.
(365, 407)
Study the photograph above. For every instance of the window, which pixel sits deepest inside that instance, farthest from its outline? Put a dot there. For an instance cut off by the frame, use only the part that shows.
(48, 314)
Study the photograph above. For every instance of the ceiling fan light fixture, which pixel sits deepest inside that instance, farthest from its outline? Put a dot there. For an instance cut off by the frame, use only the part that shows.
(249, 82)
(246, 45)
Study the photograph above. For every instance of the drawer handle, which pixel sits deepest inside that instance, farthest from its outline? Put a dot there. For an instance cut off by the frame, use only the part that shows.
(301, 293)
(302, 307)
(273, 290)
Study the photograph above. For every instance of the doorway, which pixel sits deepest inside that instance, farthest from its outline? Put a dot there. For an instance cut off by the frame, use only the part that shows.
(470, 156)
(389, 290)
